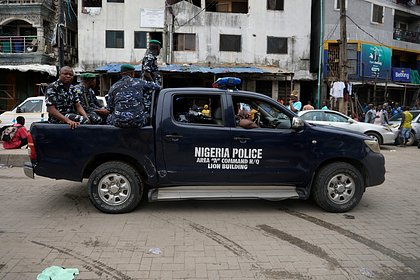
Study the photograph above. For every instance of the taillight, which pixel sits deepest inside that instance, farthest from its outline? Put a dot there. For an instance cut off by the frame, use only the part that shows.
(31, 148)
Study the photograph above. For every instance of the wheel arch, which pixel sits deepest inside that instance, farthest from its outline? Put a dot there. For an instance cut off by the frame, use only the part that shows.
(103, 158)
(357, 164)
(376, 133)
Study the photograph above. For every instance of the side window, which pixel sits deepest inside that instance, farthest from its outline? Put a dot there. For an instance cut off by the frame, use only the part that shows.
(312, 116)
(331, 117)
(263, 114)
(197, 109)
(31, 106)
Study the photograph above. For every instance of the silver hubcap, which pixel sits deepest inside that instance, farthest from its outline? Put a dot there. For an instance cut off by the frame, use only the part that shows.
(114, 189)
(341, 188)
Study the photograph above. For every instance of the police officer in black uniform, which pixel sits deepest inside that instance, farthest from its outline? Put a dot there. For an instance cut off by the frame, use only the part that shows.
(150, 70)
(63, 104)
(88, 100)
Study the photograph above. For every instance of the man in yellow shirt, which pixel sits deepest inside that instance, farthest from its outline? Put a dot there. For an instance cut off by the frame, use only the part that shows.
(405, 126)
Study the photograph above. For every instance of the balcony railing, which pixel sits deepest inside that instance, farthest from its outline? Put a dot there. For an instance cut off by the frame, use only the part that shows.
(18, 44)
(22, 1)
(406, 36)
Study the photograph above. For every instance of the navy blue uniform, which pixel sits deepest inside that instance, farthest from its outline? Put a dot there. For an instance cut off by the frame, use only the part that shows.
(126, 102)
(64, 101)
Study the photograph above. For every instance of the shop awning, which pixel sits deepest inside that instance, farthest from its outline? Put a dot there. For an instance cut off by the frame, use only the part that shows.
(50, 69)
(189, 68)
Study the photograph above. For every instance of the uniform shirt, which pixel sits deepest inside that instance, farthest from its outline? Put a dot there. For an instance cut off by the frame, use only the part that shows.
(126, 104)
(87, 98)
(63, 99)
(149, 64)
(20, 134)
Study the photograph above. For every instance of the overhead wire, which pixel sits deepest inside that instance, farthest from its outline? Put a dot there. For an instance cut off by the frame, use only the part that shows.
(370, 35)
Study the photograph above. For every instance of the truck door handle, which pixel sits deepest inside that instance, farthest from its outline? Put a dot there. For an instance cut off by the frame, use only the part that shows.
(173, 137)
(241, 139)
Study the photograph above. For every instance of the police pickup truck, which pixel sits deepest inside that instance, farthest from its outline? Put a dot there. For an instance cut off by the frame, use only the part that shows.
(194, 148)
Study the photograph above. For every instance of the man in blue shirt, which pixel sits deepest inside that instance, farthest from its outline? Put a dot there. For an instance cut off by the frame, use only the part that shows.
(294, 104)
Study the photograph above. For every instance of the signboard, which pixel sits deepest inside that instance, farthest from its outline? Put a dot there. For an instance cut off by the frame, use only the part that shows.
(152, 18)
(401, 75)
(376, 61)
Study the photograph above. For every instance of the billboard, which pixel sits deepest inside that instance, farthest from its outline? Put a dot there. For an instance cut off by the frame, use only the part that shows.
(376, 61)
(401, 74)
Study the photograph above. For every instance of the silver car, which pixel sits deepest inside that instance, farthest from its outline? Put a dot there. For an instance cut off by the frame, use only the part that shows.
(395, 121)
(382, 134)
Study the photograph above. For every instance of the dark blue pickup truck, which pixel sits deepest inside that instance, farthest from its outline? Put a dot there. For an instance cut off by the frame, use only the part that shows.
(194, 148)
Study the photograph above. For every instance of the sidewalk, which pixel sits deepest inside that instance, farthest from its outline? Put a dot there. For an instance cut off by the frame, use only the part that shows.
(14, 157)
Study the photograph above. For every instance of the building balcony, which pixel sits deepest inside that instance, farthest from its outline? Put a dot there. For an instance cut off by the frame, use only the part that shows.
(18, 44)
(23, 50)
(24, 2)
(406, 36)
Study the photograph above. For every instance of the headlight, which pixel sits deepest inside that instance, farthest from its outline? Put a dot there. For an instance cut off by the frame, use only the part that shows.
(373, 146)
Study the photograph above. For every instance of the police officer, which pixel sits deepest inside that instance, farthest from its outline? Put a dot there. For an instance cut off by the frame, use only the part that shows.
(85, 92)
(150, 70)
(62, 101)
(125, 99)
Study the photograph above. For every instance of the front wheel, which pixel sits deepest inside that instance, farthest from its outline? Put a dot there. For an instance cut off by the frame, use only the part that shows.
(338, 187)
(375, 136)
(115, 187)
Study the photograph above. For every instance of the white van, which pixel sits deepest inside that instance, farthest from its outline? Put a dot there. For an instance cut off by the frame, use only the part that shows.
(33, 109)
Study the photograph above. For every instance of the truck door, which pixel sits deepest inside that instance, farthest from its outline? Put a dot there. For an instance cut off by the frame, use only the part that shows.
(194, 138)
(271, 154)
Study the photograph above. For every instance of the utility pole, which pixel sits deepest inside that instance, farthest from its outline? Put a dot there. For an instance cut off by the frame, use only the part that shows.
(343, 52)
(61, 33)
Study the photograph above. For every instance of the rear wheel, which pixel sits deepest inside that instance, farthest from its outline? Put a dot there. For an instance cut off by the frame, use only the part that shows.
(338, 187)
(375, 136)
(115, 187)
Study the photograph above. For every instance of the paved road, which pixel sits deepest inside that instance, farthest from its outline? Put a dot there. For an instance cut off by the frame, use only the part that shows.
(45, 222)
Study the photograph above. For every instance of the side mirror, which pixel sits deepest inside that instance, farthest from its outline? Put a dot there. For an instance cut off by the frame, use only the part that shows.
(297, 123)
(18, 110)
(351, 121)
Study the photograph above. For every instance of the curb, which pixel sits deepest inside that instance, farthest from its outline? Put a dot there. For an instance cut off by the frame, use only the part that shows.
(13, 160)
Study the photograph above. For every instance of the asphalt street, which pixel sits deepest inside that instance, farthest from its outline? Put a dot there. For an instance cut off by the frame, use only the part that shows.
(45, 222)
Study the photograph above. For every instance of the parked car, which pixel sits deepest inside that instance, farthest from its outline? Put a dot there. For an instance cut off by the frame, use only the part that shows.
(382, 134)
(395, 121)
(33, 109)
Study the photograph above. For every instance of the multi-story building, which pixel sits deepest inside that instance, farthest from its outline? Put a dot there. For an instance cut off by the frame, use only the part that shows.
(383, 49)
(28, 42)
(266, 43)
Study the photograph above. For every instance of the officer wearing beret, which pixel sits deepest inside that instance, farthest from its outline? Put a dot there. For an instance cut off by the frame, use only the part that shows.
(63, 104)
(150, 70)
(88, 100)
(126, 101)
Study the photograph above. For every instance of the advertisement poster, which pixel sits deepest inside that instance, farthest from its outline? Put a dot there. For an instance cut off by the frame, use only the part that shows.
(401, 75)
(376, 61)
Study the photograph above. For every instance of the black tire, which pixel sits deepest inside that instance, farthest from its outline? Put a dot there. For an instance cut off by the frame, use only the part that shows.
(411, 139)
(115, 187)
(338, 187)
(376, 136)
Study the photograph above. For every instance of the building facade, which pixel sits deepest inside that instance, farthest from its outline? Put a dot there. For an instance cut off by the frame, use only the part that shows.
(28, 46)
(208, 34)
(383, 49)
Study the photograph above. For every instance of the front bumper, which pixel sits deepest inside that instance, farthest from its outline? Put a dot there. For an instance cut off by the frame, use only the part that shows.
(28, 169)
(375, 169)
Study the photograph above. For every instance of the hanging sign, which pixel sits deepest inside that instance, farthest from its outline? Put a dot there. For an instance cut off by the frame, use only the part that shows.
(401, 74)
(376, 61)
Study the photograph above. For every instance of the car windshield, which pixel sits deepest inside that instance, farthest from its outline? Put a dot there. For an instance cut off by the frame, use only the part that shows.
(398, 116)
